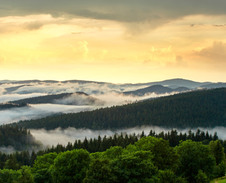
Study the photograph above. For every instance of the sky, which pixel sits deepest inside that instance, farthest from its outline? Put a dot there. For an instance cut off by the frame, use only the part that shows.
(116, 41)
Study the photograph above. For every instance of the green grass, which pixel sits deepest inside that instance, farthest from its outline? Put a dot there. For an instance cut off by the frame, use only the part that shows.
(219, 180)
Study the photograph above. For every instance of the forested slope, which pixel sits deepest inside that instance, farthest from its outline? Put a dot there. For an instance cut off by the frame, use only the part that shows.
(204, 108)
(16, 137)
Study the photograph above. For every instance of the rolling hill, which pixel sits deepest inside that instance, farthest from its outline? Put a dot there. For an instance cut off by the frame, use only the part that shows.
(158, 89)
(78, 98)
(204, 108)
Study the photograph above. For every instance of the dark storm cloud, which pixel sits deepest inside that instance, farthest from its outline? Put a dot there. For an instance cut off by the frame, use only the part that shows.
(156, 12)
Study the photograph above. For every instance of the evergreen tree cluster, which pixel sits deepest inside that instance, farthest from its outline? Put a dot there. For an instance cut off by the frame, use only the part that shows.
(205, 108)
(17, 137)
(100, 144)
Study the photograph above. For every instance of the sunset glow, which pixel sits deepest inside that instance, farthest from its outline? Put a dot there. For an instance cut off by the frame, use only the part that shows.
(39, 44)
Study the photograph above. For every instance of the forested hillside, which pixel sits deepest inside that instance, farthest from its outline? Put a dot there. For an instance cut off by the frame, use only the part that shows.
(204, 108)
(16, 137)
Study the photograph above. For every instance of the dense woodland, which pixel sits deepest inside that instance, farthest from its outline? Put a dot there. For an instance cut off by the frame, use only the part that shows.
(127, 150)
(122, 158)
(16, 137)
(205, 108)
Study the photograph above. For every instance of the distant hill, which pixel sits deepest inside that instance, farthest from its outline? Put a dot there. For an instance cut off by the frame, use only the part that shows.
(12, 89)
(173, 83)
(158, 89)
(78, 98)
(12, 105)
(205, 108)
(214, 85)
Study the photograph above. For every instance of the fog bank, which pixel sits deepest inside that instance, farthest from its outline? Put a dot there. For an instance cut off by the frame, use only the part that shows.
(38, 111)
(63, 136)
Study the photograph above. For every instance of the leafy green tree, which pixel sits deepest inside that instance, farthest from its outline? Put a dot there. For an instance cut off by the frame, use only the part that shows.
(164, 156)
(71, 166)
(9, 176)
(217, 150)
(219, 170)
(134, 167)
(12, 163)
(201, 177)
(113, 152)
(193, 157)
(168, 176)
(99, 172)
(41, 168)
(25, 175)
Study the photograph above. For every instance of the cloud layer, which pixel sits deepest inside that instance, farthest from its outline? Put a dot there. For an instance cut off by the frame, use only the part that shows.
(157, 12)
(60, 136)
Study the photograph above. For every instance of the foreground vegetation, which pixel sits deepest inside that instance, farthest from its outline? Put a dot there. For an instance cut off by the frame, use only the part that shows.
(132, 159)
(205, 108)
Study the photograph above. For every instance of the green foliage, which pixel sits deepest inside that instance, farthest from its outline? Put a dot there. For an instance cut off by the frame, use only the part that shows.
(9, 176)
(217, 150)
(134, 167)
(41, 168)
(164, 156)
(25, 175)
(12, 164)
(204, 108)
(148, 160)
(220, 170)
(71, 166)
(201, 177)
(102, 144)
(168, 176)
(194, 157)
(99, 171)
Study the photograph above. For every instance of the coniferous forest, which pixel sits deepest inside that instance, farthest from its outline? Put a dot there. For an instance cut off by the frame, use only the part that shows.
(16, 137)
(205, 108)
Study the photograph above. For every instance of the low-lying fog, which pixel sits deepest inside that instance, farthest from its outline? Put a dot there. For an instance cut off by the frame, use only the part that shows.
(38, 111)
(63, 136)
(35, 111)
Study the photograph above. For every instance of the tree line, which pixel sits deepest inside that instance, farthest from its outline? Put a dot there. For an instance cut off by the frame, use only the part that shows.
(100, 144)
(150, 159)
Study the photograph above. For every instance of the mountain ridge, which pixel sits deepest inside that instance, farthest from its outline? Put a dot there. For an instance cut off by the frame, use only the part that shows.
(204, 108)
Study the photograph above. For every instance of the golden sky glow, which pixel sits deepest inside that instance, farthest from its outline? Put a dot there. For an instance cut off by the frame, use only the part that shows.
(43, 46)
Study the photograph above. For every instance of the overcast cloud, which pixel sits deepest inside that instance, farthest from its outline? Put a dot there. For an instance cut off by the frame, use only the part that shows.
(155, 12)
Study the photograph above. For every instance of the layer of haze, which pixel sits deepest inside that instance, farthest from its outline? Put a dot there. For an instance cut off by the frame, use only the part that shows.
(114, 41)
(105, 95)
(63, 136)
